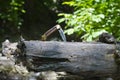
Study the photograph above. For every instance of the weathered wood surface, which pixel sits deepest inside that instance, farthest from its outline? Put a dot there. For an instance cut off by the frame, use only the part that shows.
(93, 59)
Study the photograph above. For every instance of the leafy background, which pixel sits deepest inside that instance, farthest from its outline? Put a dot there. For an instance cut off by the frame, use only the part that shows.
(82, 20)
(90, 18)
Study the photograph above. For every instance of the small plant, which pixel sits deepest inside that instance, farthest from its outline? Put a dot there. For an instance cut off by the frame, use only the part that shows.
(11, 12)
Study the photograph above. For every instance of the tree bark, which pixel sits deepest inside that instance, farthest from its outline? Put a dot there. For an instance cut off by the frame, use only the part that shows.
(79, 58)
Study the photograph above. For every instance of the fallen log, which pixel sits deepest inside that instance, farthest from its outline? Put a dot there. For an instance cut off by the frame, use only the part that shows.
(79, 58)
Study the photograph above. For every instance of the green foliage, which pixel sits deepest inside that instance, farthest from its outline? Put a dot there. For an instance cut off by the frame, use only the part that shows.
(92, 17)
(11, 12)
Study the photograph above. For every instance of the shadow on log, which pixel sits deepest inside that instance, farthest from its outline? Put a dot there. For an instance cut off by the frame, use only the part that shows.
(78, 58)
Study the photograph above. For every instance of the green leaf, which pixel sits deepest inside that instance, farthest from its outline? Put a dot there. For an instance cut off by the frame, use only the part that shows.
(61, 20)
(69, 31)
(23, 11)
(101, 16)
(89, 38)
(97, 33)
(70, 3)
